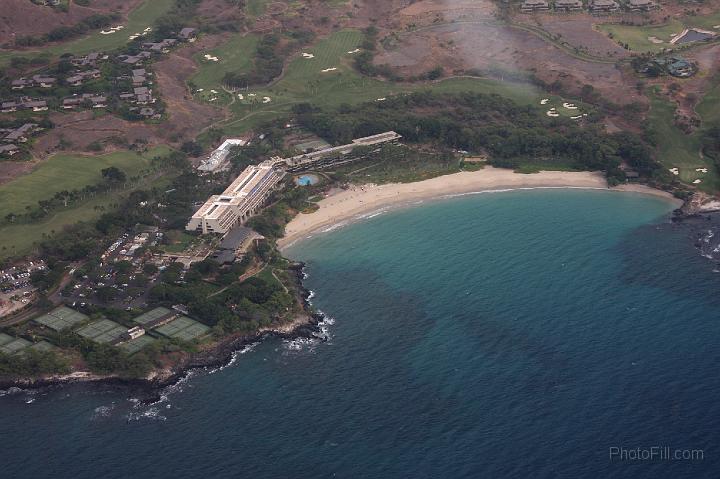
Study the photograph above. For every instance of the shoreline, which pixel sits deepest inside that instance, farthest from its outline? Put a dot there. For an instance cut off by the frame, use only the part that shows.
(358, 201)
(217, 355)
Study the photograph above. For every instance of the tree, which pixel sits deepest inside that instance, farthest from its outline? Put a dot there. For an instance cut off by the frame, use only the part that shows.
(113, 175)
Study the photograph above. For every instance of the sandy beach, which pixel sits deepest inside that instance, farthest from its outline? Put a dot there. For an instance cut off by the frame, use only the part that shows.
(342, 205)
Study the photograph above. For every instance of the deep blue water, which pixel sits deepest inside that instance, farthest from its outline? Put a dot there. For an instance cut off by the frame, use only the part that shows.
(517, 334)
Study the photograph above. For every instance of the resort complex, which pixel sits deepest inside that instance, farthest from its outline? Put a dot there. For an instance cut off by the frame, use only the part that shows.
(247, 194)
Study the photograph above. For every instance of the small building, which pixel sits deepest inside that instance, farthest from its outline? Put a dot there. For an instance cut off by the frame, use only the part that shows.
(20, 134)
(218, 159)
(8, 150)
(187, 33)
(78, 78)
(44, 81)
(134, 333)
(21, 83)
(568, 5)
(235, 244)
(681, 68)
(641, 5)
(604, 6)
(529, 6)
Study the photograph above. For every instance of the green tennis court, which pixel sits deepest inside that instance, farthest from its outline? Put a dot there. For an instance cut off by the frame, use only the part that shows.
(14, 346)
(183, 328)
(137, 344)
(154, 315)
(102, 331)
(61, 318)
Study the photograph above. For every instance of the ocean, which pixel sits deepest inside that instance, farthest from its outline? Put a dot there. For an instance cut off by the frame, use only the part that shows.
(524, 334)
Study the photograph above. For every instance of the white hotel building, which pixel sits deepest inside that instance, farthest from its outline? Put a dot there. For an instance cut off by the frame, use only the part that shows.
(242, 199)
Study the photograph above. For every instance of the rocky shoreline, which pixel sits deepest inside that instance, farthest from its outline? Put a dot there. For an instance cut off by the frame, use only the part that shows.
(220, 354)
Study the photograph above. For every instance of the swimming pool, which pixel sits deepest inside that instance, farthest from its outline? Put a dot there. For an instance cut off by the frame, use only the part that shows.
(307, 180)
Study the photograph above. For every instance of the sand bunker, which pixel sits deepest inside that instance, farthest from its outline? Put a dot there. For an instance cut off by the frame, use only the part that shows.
(240, 95)
(674, 171)
(353, 51)
(576, 117)
(701, 170)
(552, 113)
(697, 182)
(544, 101)
(267, 99)
(381, 99)
(570, 106)
(308, 55)
(328, 70)
(655, 40)
(211, 58)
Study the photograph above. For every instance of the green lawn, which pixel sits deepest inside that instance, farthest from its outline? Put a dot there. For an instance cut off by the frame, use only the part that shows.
(139, 19)
(638, 37)
(709, 106)
(305, 81)
(67, 172)
(678, 150)
(234, 56)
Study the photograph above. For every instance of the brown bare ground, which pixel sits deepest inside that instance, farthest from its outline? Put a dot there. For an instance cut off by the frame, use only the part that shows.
(10, 170)
(23, 18)
(486, 47)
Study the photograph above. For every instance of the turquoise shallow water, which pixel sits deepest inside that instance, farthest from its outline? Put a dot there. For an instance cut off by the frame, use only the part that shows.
(517, 334)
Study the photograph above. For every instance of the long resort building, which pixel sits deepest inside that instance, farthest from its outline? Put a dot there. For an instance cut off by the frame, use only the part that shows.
(242, 199)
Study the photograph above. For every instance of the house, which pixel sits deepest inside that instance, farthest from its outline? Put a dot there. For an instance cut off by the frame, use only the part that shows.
(8, 150)
(603, 6)
(187, 34)
(529, 6)
(641, 5)
(36, 105)
(681, 68)
(568, 5)
(160, 47)
(81, 77)
(20, 134)
(44, 81)
(9, 106)
(70, 103)
(21, 83)
(134, 59)
(89, 60)
(139, 77)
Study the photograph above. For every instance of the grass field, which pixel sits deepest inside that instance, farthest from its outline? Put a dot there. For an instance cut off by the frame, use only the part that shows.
(709, 106)
(234, 56)
(305, 81)
(67, 172)
(678, 150)
(61, 172)
(638, 37)
(139, 19)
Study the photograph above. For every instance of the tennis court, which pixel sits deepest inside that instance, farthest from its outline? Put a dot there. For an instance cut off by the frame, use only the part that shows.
(5, 338)
(61, 318)
(183, 328)
(137, 344)
(102, 331)
(154, 316)
(14, 346)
